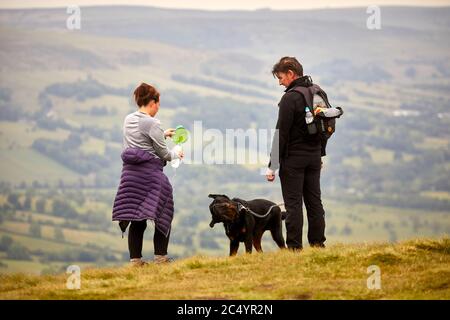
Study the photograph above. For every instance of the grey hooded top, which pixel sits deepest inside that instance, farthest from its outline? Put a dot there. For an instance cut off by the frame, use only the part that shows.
(142, 131)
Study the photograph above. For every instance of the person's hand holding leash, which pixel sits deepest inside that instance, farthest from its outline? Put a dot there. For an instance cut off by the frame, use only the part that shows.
(270, 175)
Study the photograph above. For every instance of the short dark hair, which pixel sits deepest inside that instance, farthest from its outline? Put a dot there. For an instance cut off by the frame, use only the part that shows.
(144, 94)
(288, 63)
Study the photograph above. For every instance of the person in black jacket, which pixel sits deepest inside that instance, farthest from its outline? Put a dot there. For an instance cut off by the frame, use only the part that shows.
(298, 157)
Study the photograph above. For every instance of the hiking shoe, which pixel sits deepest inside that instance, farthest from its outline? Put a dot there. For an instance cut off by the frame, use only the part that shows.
(162, 259)
(138, 262)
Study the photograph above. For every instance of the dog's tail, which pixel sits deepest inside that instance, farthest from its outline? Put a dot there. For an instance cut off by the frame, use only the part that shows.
(283, 215)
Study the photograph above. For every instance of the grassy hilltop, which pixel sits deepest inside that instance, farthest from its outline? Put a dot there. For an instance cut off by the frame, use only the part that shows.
(415, 269)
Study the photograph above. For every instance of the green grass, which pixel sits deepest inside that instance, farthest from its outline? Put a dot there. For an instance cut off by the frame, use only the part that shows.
(27, 165)
(372, 223)
(71, 236)
(355, 162)
(37, 244)
(22, 134)
(381, 156)
(70, 110)
(415, 269)
(26, 267)
(41, 217)
(440, 195)
(93, 145)
(433, 143)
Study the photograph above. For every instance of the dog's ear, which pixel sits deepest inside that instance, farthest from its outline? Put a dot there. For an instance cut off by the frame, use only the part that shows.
(214, 196)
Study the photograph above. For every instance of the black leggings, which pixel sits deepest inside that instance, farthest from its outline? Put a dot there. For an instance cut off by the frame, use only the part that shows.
(136, 239)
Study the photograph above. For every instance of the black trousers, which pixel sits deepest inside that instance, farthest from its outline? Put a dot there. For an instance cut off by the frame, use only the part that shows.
(136, 239)
(300, 180)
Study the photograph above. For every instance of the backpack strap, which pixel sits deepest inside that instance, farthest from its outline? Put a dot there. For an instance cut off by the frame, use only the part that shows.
(308, 93)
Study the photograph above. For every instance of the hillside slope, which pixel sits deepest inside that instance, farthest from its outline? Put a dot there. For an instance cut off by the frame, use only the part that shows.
(415, 269)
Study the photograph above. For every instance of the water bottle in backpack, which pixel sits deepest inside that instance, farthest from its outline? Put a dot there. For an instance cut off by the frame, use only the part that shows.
(310, 124)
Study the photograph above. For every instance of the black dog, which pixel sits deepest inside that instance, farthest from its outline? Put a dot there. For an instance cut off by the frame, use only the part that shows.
(243, 223)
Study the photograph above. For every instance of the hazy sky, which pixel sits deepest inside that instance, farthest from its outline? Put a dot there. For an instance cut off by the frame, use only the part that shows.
(223, 4)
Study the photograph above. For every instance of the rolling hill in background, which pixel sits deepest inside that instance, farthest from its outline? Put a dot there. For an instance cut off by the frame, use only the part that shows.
(64, 94)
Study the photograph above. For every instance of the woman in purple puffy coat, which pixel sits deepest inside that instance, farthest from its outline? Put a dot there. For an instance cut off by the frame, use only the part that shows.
(145, 192)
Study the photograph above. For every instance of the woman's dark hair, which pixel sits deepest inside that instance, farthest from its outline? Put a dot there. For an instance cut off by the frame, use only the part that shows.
(144, 94)
(288, 63)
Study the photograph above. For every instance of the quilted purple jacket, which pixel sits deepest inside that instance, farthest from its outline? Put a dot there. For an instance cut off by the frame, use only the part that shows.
(144, 192)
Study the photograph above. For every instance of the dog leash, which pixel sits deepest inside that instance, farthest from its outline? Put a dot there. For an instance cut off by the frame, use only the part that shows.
(261, 215)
